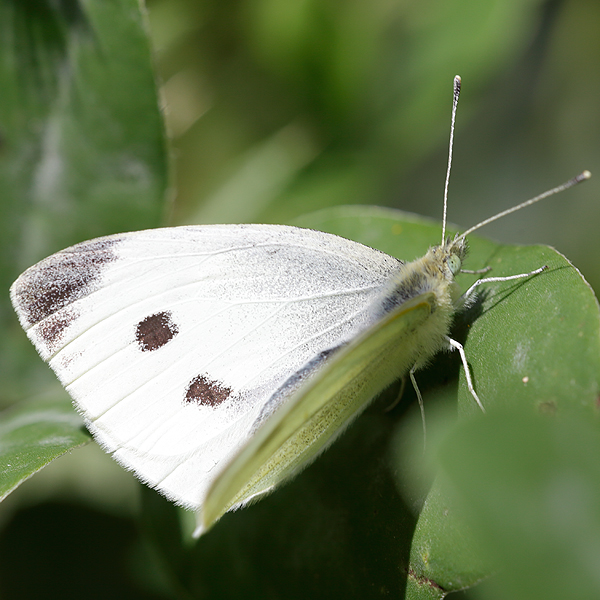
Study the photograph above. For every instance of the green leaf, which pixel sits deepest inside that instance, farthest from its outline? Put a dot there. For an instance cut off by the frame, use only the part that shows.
(82, 141)
(533, 345)
(444, 555)
(529, 486)
(83, 138)
(33, 434)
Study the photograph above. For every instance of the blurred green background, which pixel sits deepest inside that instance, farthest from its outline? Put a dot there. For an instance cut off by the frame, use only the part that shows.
(277, 108)
(274, 109)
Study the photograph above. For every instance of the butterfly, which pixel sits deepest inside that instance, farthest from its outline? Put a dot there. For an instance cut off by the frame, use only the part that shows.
(217, 361)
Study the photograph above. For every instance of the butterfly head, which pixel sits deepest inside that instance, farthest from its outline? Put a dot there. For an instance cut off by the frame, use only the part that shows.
(450, 255)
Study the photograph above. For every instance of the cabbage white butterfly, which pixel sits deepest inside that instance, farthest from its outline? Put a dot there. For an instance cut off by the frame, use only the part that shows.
(216, 361)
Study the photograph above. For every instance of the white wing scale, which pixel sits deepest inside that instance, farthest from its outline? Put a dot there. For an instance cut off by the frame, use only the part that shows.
(172, 341)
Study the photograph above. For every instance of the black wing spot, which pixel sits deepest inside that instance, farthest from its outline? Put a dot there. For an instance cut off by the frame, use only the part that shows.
(61, 279)
(155, 331)
(205, 392)
(53, 327)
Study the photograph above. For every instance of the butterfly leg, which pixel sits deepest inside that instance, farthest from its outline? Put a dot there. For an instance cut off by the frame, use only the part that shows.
(509, 278)
(477, 272)
(454, 345)
(420, 399)
(398, 395)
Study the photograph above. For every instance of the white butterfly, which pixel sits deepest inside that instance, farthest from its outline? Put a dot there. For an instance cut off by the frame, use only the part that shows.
(215, 361)
(173, 341)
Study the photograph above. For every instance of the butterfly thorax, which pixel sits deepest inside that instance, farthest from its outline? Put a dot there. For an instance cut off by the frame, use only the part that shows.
(430, 279)
(434, 272)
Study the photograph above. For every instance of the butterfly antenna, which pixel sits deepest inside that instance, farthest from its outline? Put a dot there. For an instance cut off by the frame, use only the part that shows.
(455, 97)
(565, 186)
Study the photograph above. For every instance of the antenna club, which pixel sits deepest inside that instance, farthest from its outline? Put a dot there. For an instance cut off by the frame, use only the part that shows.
(457, 84)
(577, 179)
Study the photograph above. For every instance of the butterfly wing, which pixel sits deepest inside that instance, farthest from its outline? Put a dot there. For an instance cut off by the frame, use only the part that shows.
(319, 409)
(171, 341)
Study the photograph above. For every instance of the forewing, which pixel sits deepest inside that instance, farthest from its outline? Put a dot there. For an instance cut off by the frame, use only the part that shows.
(172, 340)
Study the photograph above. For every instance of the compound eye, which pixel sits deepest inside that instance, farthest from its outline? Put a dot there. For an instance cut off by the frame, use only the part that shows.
(454, 263)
